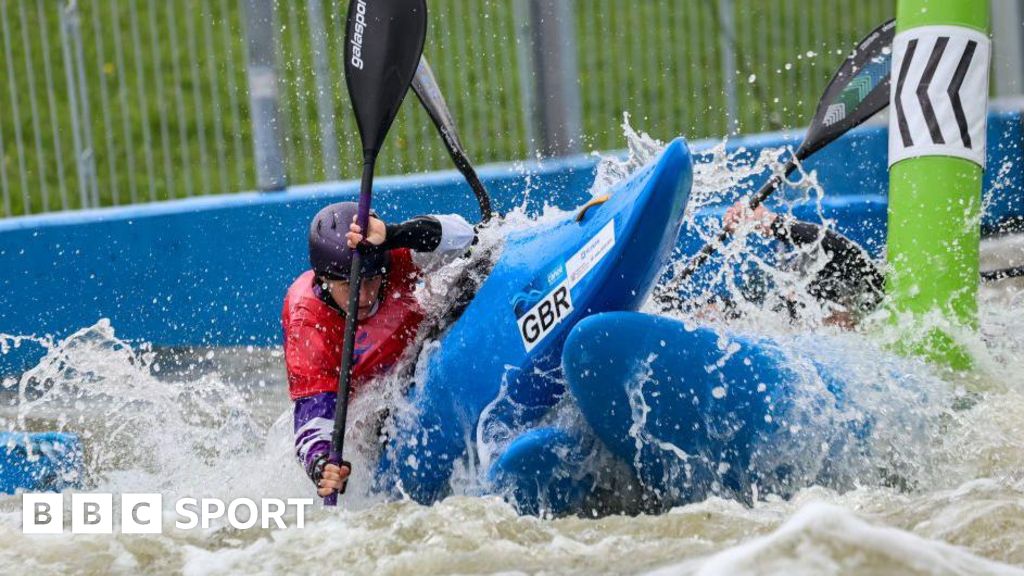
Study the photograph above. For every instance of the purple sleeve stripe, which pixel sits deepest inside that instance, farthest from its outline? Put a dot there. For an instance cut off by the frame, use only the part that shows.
(304, 436)
(316, 406)
(314, 420)
(318, 448)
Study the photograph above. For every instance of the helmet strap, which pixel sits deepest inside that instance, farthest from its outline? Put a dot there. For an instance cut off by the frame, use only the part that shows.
(321, 291)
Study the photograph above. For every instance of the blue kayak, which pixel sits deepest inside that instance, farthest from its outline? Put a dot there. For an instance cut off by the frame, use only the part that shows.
(497, 365)
(546, 470)
(697, 413)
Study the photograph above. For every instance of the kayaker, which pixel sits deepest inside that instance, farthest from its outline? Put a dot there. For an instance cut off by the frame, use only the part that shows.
(849, 283)
(394, 258)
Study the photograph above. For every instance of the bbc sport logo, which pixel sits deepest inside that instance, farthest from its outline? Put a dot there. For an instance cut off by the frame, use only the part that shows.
(93, 513)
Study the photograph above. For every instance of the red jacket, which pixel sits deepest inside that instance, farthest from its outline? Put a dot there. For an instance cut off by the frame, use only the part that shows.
(314, 332)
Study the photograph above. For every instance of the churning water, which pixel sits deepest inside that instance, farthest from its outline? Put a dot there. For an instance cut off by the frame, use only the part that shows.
(216, 423)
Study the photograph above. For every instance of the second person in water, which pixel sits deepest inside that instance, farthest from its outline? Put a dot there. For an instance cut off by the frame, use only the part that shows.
(847, 283)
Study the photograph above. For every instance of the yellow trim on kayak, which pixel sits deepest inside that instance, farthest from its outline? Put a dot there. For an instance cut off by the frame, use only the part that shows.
(593, 202)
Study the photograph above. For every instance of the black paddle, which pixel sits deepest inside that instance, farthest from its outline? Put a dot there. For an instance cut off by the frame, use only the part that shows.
(429, 93)
(383, 44)
(857, 91)
(466, 284)
(1002, 274)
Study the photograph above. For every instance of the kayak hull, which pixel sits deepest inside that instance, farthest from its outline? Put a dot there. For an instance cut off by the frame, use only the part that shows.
(697, 413)
(544, 471)
(497, 367)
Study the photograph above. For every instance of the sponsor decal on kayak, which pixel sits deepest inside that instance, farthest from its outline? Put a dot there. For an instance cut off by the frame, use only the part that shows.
(539, 287)
(584, 260)
(540, 320)
(542, 305)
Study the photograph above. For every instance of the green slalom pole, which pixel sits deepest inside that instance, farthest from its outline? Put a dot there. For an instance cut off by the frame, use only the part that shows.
(937, 123)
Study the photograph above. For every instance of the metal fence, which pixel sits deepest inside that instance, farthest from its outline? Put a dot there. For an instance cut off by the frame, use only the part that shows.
(111, 102)
(712, 67)
(107, 102)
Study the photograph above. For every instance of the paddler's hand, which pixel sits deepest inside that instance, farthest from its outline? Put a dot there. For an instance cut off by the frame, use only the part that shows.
(740, 213)
(378, 232)
(333, 480)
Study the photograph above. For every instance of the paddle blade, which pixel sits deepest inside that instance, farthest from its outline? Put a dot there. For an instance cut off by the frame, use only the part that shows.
(383, 43)
(858, 91)
(429, 93)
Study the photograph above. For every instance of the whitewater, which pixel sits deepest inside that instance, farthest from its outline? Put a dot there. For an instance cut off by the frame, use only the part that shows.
(216, 422)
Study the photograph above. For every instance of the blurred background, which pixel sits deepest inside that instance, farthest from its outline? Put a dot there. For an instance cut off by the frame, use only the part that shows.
(112, 102)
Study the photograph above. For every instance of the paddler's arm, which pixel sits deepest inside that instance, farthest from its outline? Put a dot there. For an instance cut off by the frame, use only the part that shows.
(848, 263)
(312, 377)
(434, 240)
(849, 276)
(314, 421)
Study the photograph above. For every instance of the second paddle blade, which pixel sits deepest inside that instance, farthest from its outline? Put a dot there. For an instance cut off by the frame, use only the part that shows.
(859, 90)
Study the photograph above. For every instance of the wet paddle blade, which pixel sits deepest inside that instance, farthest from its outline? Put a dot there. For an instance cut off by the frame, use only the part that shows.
(383, 43)
(858, 91)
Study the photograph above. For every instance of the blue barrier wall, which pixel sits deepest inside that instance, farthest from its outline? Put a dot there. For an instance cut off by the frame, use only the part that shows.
(212, 271)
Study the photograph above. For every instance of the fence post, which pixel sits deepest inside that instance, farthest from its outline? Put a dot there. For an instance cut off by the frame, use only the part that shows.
(547, 43)
(1007, 48)
(324, 91)
(75, 90)
(3, 175)
(727, 43)
(261, 68)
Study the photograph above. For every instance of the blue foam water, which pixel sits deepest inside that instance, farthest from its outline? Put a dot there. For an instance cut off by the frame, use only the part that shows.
(40, 462)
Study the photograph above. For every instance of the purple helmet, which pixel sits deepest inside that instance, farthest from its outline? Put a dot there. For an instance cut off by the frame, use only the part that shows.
(329, 254)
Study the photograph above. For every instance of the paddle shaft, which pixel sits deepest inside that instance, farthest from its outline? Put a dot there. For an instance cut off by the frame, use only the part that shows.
(463, 165)
(1002, 274)
(756, 200)
(336, 455)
